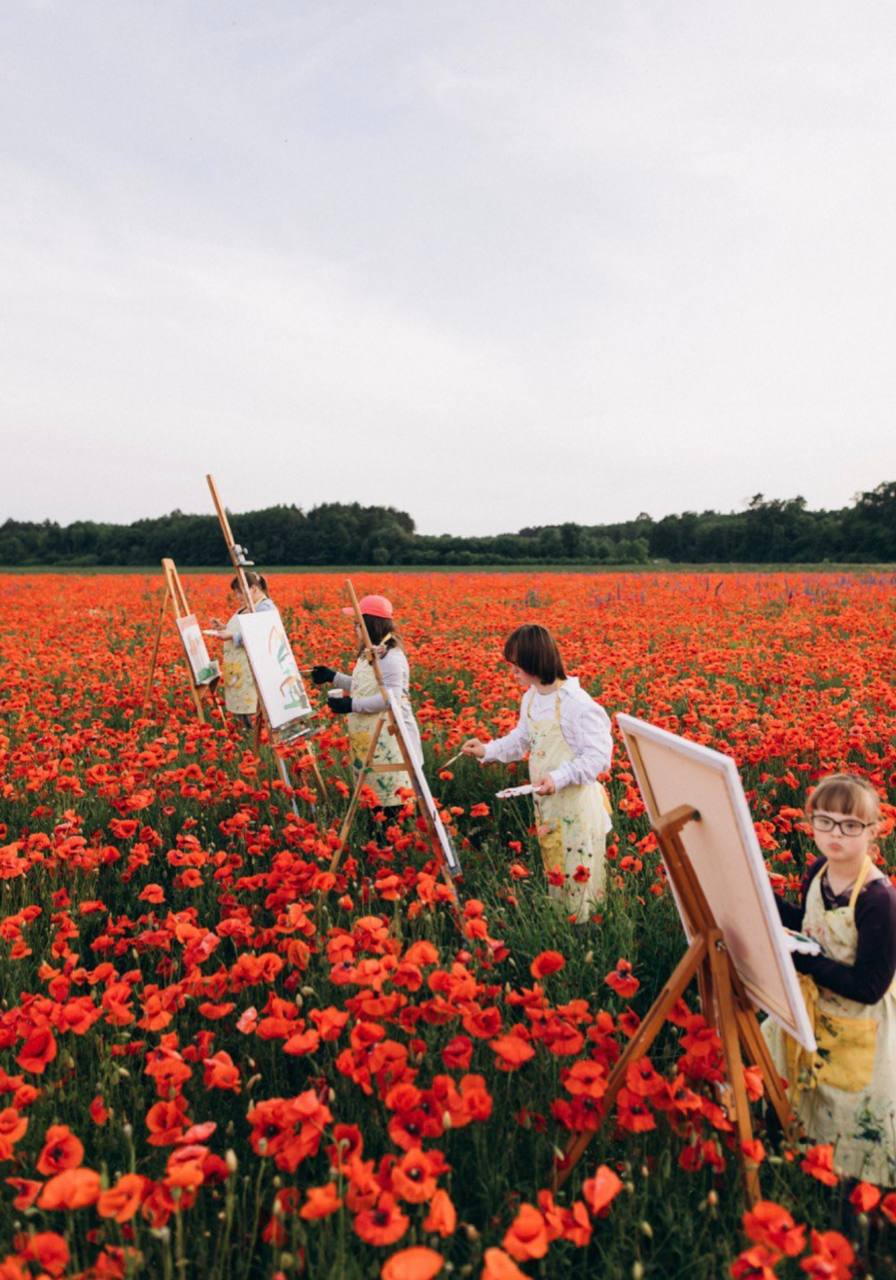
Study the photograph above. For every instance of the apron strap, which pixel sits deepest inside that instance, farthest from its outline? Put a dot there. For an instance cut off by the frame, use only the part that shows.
(860, 882)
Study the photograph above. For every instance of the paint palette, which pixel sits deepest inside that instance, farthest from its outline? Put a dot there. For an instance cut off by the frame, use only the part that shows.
(509, 792)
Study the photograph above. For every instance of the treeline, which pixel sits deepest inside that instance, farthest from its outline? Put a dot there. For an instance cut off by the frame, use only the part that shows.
(768, 531)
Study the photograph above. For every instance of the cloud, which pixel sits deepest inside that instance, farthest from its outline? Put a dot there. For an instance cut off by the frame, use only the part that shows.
(497, 266)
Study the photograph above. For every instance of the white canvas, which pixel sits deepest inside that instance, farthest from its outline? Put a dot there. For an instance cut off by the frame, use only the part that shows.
(203, 667)
(274, 668)
(725, 855)
(422, 788)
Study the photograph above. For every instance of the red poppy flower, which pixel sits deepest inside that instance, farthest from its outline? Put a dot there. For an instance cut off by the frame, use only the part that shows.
(416, 1263)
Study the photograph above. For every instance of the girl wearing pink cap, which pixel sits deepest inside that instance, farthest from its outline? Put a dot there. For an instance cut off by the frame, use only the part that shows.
(362, 701)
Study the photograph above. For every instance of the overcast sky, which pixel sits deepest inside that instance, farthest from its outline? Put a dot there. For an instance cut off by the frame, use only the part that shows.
(496, 264)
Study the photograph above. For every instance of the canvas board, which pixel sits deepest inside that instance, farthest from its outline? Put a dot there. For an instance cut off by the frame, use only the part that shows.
(727, 860)
(276, 674)
(204, 668)
(421, 786)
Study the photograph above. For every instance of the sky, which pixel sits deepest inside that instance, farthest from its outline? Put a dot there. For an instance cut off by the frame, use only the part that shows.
(495, 264)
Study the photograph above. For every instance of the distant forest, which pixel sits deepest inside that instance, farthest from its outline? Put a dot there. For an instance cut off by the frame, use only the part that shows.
(778, 530)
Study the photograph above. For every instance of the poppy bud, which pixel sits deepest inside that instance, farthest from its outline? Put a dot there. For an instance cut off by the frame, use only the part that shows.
(230, 1160)
(646, 1229)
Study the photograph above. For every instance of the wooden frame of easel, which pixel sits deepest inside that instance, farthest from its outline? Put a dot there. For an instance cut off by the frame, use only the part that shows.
(387, 720)
(174, 592)
(240, 564)
(723, 999)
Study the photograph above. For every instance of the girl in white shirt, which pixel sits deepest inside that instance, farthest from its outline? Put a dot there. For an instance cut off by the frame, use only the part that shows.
(566, 735)
(362, 701)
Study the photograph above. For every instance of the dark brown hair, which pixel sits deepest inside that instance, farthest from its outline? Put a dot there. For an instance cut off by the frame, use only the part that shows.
(845, 793)
(252, 580)
(378, 629)
(533, 649)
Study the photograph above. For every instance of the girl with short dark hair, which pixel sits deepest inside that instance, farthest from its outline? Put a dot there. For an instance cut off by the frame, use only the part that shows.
(566, 735)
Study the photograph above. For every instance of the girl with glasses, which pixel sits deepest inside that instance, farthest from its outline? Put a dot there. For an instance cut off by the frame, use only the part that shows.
(845, 1092)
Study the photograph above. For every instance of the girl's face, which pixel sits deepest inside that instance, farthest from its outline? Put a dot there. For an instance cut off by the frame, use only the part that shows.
(523, 679)
(838, 846)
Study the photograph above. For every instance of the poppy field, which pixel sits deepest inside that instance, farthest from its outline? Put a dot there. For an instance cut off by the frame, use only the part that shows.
(220, 1059)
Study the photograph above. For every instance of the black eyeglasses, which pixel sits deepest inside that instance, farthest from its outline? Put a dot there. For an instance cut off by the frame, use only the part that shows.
(846, 826)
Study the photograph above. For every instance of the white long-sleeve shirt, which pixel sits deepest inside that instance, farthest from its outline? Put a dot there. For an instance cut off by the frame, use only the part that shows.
(583, 722)
(396, 676)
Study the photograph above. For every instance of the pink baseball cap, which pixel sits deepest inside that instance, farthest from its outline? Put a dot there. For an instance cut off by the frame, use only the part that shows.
(373, 606)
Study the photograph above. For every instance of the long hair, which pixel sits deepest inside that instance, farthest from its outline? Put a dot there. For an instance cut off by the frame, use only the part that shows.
(383, 634)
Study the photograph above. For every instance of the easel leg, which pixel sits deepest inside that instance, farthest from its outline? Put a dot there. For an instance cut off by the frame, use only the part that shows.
(285, 778)
(316, 767)
(155, 648)
(758, 1052)
(729, 1031)
(643, 1038)
(356, 794)
(197, 700)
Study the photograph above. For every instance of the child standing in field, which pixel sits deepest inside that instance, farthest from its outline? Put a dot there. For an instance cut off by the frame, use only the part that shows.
(845, 1093)
(567, 737)
(240, 694)
(363, 703)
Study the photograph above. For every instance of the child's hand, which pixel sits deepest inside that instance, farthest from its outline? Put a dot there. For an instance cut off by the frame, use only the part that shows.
(546, 787)
(473, 747)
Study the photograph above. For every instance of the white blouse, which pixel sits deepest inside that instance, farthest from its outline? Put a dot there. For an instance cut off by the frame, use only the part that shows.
(583, 722)
(396, 676)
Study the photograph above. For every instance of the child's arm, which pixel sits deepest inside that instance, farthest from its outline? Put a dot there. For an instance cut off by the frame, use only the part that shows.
(869, 979)
(513, 746)
(588, 732)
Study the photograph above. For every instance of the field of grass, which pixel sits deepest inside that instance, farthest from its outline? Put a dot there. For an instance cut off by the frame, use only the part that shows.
(217, 1059)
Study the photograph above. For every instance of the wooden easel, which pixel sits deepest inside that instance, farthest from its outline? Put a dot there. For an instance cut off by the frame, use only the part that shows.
(724, 1003)
(240, 564)
(175, 593)
(388, 721)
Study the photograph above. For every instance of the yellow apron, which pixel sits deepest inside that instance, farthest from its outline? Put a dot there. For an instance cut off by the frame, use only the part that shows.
(845, 1092)
(240, 696)
(360, 729)
(572, 824)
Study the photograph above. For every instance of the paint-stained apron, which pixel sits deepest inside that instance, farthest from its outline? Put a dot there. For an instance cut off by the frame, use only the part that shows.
(845, 1093)
(240, 694)
(572, 824)
(360, 731)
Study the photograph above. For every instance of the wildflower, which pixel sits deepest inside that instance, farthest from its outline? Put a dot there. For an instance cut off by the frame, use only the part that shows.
(122, 1201)
(819, 1162)
(527, 1236)
(416, 1263)
(320, 1202)
(545, 963)
(442, 1216)
(622, 980)
(498, 1266)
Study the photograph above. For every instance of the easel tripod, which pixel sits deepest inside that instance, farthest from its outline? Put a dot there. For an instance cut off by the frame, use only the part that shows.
(240, 563)
(175, 593)
(724, 1002)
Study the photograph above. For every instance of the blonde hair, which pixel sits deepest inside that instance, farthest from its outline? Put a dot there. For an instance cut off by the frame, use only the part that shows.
(845, 793)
